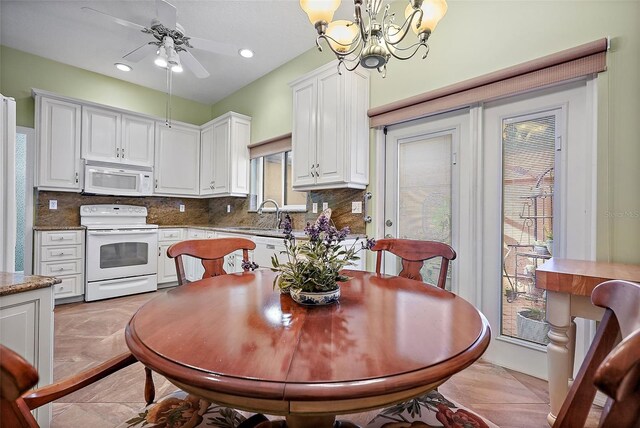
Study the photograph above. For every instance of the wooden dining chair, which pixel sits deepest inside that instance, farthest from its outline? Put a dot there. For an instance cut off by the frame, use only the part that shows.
(211, 252)
(614, 371)
(413, 254)
(17, 376)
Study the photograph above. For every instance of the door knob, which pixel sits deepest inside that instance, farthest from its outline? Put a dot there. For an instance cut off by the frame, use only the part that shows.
(388, 223)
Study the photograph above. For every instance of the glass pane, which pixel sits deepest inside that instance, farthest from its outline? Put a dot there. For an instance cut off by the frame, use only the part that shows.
(292, 197)
(527, 190)
(114, 181)
(424, 179)
(254, 184)
(273, 177)
(123, 254)
(21, 175)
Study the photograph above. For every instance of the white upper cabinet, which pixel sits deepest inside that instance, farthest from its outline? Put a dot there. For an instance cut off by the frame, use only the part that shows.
(177, 160)
(58, 145)
(330, 133)
(138, 137)
(206, 161)
(111, 136)
(101, 134)
(225, 156)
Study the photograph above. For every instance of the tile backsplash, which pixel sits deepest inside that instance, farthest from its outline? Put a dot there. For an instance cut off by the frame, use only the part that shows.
(165, 211)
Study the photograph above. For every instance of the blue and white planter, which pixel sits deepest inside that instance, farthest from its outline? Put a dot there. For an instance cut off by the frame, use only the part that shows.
(315, 298)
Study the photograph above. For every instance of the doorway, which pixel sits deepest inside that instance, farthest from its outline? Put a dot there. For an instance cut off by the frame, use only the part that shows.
(24, 167)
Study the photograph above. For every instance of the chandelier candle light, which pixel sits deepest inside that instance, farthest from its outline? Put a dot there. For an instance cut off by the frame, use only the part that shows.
(371, 44)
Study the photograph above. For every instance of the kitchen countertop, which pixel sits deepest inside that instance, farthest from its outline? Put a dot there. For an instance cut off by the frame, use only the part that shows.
(270, 233)
(45, 228)
(12, 283)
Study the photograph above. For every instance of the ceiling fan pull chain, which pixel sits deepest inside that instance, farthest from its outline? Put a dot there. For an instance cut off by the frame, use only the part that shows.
(169, 90)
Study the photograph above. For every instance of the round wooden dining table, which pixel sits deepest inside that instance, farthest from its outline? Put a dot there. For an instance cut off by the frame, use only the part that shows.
(234, 340)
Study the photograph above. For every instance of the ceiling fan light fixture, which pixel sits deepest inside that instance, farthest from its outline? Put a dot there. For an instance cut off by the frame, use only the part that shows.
(176, 68)
(161, 60)
(122, 67)
(246, 53)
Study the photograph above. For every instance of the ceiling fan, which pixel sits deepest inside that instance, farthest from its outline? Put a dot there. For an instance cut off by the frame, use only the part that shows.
(170, 42)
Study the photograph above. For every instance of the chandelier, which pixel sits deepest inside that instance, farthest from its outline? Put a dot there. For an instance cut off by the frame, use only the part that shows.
(371, 44)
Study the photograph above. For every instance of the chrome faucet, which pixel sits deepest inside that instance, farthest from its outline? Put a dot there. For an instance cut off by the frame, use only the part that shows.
(277, 219)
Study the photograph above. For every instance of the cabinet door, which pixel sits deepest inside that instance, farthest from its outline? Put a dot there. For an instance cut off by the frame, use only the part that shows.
(303, 134)
(101, 134)
(330, 155)
(59, 145)
(239, 164)
(221, 135)
(137, 140)
(166, 265)
(207, 161)
(177, 160)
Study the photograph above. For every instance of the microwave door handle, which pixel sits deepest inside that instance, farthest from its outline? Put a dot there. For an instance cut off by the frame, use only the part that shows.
(122, 232)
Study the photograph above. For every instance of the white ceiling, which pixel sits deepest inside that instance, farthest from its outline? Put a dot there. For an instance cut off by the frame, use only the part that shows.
(277, 31)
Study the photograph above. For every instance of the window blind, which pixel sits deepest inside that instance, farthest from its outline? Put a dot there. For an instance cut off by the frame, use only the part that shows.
(559, 67)
(271, 146)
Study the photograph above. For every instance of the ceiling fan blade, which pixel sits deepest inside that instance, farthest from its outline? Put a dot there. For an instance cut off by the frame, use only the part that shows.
(138, 53)
(166, 13)
(117, 20)
(193, 64)
(211, 46)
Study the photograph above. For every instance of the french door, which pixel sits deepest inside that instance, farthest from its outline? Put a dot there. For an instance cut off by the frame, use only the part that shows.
(536, 174)
(422, 187)
(496, 182)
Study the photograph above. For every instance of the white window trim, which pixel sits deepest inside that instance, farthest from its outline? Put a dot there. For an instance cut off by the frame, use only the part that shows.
(260, 190)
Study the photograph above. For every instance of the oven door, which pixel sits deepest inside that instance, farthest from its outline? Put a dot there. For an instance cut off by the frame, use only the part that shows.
(121, 253)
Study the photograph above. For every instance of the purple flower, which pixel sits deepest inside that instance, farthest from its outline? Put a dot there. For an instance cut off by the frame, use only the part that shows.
(323, 223)
(287, 227)
(342, 234)
(247, 265)
(368, 244)
(313, 231)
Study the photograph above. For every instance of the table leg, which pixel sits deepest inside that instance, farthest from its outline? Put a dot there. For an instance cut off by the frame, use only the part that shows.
(299, 421)
(558, 352)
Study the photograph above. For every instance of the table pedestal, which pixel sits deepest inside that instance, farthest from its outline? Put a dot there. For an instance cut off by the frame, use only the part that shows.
(297, 421)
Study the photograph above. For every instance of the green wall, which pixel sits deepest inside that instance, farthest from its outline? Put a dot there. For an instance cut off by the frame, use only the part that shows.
(20, 71)
(477, 37)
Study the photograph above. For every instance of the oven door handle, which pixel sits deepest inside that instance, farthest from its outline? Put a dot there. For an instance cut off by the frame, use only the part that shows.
(122, 232)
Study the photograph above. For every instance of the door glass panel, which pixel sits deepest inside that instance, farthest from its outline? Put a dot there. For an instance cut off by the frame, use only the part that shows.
(528, 146)
(424, 195)
(21, 174)
(122, 254)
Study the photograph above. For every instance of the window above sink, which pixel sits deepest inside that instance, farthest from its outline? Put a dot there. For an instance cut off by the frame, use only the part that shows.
(271, 178)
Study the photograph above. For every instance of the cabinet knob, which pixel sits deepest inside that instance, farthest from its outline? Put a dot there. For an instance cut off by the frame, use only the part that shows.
(76, 177)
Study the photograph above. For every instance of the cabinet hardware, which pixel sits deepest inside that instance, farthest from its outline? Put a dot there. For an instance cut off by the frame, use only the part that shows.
(59, 239)
(156, 183)
(271, 247)
(61, 269)
(76, 177)
(61, 254)
(122, 153)
(117, 152)
(159, 251)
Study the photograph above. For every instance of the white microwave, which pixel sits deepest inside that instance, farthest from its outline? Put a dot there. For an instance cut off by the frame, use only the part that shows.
(104, 178)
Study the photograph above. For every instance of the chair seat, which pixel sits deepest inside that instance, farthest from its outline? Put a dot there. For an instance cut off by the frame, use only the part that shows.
(429, 410)
(182, 410)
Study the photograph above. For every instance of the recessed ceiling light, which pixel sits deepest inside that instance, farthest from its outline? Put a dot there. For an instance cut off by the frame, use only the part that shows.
(122, 67)
(245, 53)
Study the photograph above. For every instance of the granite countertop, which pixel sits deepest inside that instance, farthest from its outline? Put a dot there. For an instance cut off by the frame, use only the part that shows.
(269, 233)
(45, 228)
(12, 283)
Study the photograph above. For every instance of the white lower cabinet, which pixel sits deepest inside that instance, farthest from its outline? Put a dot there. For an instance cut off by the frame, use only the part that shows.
(26, 327)
(166, 265)
(193, 267)
(60, 253)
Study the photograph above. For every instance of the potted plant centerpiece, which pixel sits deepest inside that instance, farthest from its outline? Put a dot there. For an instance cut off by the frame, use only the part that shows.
(311, 271)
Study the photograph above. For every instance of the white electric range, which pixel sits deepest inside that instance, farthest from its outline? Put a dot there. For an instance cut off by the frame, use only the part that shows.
(121, 251)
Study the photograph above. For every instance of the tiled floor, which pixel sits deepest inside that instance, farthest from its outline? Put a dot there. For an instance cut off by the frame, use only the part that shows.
(89, 333)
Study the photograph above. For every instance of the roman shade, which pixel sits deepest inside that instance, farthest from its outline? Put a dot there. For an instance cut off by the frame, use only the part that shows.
(566, 65)
(271, 146)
